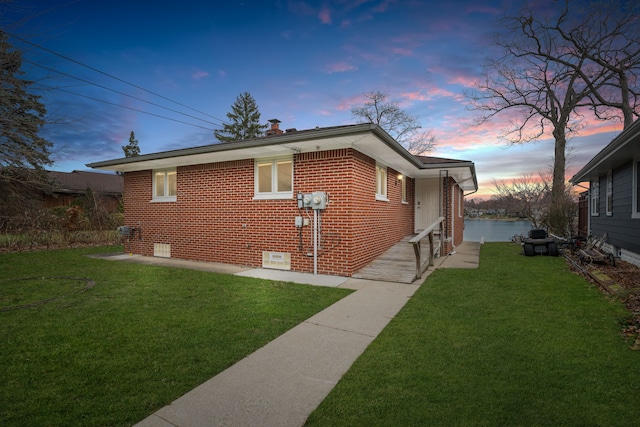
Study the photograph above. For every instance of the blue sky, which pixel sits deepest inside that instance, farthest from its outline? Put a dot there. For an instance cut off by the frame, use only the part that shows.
(306, 63)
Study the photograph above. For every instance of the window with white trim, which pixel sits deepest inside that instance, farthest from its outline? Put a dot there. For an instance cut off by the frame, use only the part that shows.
(381, 182)
(165, 185)
(609, 201)
(595, 198)
(403, 180)
(274, 178)
(635, 189)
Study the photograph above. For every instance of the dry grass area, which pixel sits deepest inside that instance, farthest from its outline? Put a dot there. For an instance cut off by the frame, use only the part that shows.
(622, 280)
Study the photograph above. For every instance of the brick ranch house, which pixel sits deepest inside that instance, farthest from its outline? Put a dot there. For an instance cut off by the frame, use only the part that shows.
(238, 202)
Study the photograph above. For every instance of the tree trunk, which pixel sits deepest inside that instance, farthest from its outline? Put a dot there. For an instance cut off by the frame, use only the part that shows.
(559, 161)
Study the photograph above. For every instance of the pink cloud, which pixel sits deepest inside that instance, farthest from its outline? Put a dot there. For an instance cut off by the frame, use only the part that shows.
(383, 6)
(402, 51)
(347, 103)
(340, 67)
(199, 74)
(463, 81)
(373, 58)
(428, 92)
(325, 16)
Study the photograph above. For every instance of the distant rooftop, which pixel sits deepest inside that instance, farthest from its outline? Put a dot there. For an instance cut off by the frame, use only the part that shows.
(79, 181)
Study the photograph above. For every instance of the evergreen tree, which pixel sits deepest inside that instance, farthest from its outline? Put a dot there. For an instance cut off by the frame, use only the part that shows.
(131, 149)
(245, 121)
(23, 154)
(21, 115)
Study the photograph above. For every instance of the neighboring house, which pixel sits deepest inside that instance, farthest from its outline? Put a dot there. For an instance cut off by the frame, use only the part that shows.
(614, 194)
(239, 202)
(69, 186)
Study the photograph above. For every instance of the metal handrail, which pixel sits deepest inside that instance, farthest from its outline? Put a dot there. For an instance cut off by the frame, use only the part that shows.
(417, 249)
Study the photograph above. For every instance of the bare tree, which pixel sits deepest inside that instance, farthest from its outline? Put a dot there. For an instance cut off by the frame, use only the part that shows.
(554, 70)
(527, 195)
(403, 127)
(608, 37)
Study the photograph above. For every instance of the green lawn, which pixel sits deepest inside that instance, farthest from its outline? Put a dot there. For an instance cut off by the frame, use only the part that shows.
(521, 341)
(139, 338)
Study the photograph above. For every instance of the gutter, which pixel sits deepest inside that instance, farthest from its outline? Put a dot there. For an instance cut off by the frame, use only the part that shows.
(305, 135)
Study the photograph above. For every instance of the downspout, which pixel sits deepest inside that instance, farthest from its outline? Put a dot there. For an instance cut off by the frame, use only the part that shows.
(444, 203)
(453, 216)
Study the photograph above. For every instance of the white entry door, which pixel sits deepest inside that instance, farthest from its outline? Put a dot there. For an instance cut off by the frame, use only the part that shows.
(428, 199)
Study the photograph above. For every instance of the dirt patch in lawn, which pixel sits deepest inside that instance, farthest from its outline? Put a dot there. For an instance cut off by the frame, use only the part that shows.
(621, 280)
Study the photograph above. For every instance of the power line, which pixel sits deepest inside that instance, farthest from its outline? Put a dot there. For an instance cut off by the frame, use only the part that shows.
(116, 91)
(109, 75)
(124, 106)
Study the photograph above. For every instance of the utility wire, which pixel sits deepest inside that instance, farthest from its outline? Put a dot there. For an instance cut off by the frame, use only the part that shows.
(116, 91)
(109, 75)
(124, 106)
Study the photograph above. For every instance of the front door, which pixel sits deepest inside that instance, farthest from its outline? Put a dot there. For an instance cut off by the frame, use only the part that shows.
(428, 199)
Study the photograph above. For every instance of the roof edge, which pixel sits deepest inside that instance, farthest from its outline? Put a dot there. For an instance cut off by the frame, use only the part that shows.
(249, 143)
(616, 143)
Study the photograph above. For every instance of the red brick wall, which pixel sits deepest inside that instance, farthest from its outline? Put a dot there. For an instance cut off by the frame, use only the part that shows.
(458, 215)
(216, 219)
(452, 200)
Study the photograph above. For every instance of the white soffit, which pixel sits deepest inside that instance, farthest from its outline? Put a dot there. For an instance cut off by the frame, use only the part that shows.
(367, 142)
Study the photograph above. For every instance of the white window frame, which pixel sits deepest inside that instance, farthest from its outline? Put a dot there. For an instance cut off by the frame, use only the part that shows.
(381, 183)
(274, 193)
(403, 189)
(166, 197)
(635, 189)
(609, 199)
(594, 196)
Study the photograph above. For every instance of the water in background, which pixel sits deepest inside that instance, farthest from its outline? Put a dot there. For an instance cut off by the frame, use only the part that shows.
(494, 230)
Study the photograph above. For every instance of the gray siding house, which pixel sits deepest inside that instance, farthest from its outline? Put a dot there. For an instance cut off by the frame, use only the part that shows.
(613, 177)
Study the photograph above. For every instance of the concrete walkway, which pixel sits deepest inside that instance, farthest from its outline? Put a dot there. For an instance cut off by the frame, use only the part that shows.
(283, 382)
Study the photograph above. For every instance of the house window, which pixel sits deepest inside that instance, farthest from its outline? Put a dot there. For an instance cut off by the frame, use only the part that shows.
(381, 182)
(274, 179)
(165, 185)
(403, 181)
(635, 211)
(609, 202)
(595, 198)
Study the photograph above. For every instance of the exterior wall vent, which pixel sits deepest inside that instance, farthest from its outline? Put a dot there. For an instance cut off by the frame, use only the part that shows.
(162, 250)
(276, 260)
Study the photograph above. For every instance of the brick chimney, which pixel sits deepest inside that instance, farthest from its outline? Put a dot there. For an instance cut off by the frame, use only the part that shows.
(275, 128)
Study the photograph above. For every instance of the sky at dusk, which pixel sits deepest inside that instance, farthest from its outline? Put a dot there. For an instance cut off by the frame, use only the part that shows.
(170, 71)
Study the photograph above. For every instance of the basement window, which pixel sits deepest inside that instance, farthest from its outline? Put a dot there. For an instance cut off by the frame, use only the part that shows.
(164, 185)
